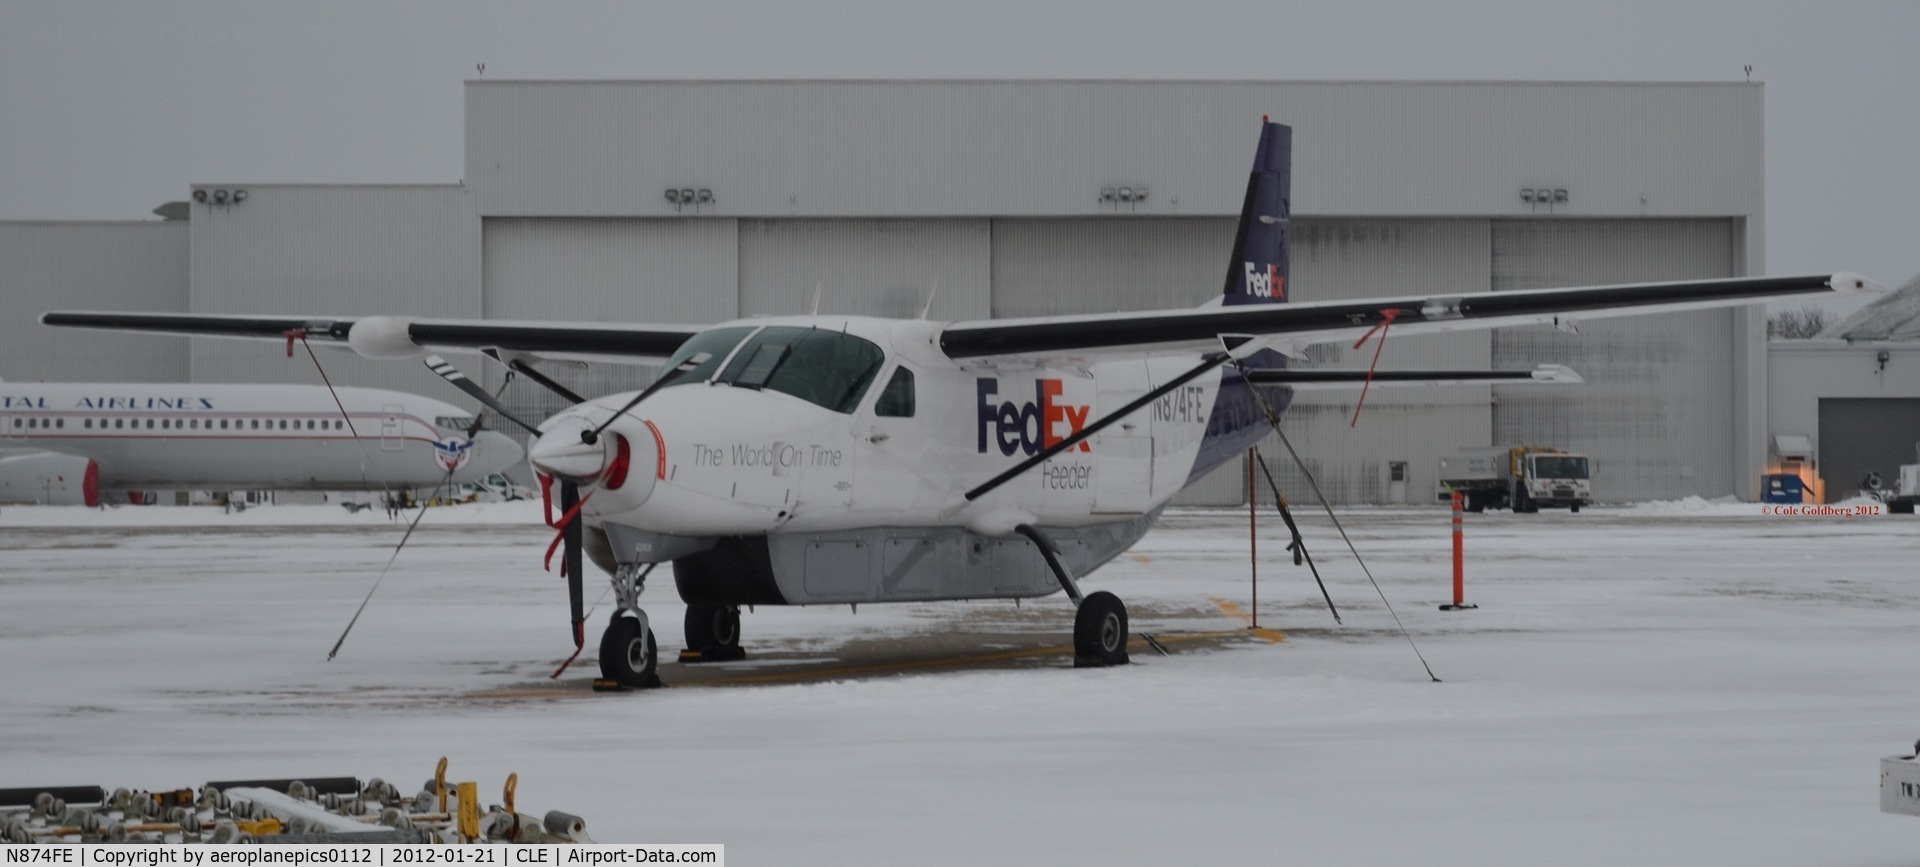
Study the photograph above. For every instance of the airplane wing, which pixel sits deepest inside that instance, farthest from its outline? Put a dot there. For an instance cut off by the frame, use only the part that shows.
(404, 337)
(1293, 326)
(1284, 326)
(1328, 379)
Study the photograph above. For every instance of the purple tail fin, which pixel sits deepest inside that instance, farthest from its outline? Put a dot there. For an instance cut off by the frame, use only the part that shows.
(1258, 271)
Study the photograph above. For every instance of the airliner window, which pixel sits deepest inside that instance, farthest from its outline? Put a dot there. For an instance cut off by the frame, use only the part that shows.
(716, 344)
(896, 400)
(60, 422)
(826, 368)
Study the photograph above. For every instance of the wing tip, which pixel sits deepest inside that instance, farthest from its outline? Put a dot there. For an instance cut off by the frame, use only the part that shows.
(1850, 282)
(1557, 373)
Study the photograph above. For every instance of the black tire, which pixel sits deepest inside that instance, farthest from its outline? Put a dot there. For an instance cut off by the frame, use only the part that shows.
(713, 631)
(1476, 503)
(1900, 507)
(1575, 507)
(628, 654)
(1100, 631)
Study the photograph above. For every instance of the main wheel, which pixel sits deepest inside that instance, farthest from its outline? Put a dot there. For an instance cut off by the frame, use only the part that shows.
(713, 632)
(1100, 631)
(627, 653)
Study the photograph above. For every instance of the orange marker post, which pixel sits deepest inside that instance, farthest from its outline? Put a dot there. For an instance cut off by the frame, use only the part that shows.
(1459, 557)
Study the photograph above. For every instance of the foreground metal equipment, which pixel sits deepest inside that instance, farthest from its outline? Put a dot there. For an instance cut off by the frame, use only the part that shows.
(321, 810)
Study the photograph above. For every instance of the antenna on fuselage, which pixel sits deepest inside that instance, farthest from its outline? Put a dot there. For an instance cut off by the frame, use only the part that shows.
(817, 285)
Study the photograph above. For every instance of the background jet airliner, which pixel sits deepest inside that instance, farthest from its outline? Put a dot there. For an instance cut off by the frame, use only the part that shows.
(62, 443)
(847, 459)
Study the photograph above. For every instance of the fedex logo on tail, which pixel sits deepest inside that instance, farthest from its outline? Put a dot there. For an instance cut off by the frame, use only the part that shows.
(1031, 426)
(1269, 283)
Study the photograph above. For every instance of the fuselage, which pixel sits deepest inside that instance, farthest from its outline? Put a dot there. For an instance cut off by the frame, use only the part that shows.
(238, 437)
(827, 427)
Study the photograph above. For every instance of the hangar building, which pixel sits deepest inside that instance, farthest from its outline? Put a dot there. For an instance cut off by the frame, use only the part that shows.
(1001, 198)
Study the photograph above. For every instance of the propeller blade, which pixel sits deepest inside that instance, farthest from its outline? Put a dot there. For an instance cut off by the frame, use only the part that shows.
(459, 380)
(573, 536)
(695, 360)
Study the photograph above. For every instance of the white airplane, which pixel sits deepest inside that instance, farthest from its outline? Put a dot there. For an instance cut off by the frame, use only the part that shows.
(62, 443)
(808, 460)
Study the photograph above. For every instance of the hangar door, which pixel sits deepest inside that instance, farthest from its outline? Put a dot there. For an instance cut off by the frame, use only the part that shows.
(864, 267)
(1656, 412)
(604, 270)
(1859, 435)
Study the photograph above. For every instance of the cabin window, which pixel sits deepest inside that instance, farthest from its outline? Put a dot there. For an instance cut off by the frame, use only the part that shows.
(87, 424)
(255, 424)
(339, 424)
(194, 423)
(715, 344)
(118, 423)
(896, 400)
(223, 424)
(33, 422)
(149, 424)
(283, 424)
(60, 422)
(831, 369)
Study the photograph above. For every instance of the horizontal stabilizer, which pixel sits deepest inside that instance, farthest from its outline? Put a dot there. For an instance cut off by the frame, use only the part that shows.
(1549, 373)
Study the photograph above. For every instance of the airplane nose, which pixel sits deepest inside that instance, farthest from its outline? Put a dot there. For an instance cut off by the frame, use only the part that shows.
(496, 451)
(559, 450)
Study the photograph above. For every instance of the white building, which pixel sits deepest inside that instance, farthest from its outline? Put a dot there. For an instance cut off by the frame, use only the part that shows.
(988, 194)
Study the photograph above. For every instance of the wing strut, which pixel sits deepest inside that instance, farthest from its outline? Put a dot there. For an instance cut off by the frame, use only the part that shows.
(1273, 419)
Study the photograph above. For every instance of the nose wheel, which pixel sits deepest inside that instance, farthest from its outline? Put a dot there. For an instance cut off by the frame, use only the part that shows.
(628, 654)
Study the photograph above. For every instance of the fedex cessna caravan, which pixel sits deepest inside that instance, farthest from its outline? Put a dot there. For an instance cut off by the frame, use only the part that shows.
(62, 443)
(847, 459)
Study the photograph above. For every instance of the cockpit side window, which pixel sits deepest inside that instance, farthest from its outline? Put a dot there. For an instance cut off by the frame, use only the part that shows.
(715, 343)
(826, 368)
(896, 400)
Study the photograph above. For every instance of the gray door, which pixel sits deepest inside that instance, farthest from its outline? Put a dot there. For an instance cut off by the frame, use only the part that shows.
(1656, 414)
(1859, 435)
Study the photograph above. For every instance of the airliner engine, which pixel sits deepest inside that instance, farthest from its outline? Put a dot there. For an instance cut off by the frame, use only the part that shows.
(49, 479)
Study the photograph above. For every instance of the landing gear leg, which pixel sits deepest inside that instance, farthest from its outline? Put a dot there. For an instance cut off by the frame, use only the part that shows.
(713, 633)
(1099, 624)
(628, 654)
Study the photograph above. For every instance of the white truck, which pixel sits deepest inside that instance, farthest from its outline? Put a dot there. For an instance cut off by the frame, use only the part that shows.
(1901, 500)
(1521, 478)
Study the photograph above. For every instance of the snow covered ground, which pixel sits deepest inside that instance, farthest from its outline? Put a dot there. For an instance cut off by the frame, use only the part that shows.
(1669, 684)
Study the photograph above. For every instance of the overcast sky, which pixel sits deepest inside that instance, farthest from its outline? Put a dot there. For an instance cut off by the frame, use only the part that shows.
(109, 109)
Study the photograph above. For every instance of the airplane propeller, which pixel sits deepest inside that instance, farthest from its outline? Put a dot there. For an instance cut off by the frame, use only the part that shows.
(572, 537)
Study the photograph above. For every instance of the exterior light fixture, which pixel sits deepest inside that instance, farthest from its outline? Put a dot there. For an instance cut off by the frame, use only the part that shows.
(200, 196)
(1559, 195)
(1526, 194)
(239, 196)
(219, 197)
(1139, 194)
(704, 196)
(673, 195)
(1106, 194)
(1126, 194)
(686, 196)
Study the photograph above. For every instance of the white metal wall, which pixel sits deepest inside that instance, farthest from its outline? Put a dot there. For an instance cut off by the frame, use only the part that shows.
(90, 266)
(332, 251)
(1103, 265)
(597, 270)
(1802, 372)
(867, 267)
(1045, 148)
(1657, 412)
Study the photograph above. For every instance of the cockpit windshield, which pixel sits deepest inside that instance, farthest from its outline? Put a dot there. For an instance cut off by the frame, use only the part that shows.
(826, 368)
(1554, 467)
(716, 344)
